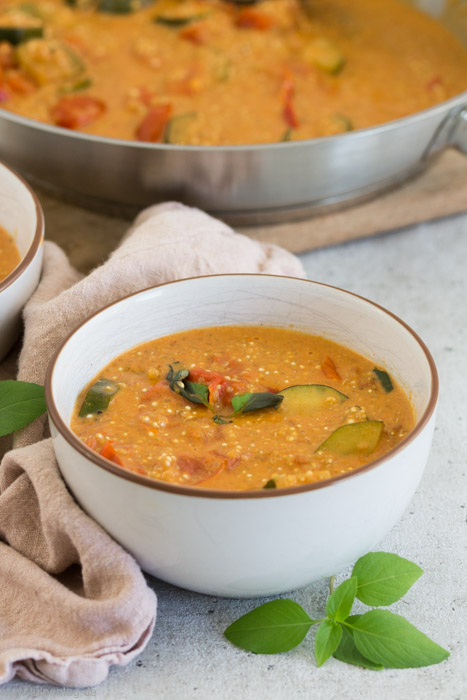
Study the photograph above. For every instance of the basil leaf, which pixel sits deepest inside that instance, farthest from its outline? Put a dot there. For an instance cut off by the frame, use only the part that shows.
(348, 652)
(384, 379)
(391, 640)
(271, 484)
(20, 404)
(276, 626)
(339, 603)
(243, 403)
(197, 393)
(327, 640)
(177, 373)
(383, 578)
(98, 397)
(191, 391)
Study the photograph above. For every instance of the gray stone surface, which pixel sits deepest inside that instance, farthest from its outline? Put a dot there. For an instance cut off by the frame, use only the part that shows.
(421, 275)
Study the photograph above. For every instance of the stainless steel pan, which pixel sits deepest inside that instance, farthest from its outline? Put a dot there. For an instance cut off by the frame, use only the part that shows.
(242, 184)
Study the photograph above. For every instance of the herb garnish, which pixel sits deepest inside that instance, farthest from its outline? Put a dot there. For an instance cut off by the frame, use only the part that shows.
(98, 397)
(199, 393)
(271, 484)
(375, 639)
(243, 403)
(20, 404)
(191, 391)
(384, 379)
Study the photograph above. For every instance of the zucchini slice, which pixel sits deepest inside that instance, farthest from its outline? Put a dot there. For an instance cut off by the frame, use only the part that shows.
(305, 399)
(384, 379)
(76, 86)
(176, 21)
(342, 122)
(49, 61)
(114, 7)
(354, 438)
(121, 7)
(19, 24)
(98, 397)
(175, 131)
(325, 55)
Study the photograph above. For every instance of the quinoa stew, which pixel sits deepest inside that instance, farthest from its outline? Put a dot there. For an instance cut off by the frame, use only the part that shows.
(214, 72)
(9, 254)
(242, 407)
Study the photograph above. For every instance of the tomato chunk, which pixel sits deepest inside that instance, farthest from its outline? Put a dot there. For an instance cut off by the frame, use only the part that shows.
(329, 370)
(196, 33)
(249, 18)
(156, 391)
(221, 390)
(153, 125)
(288, 109)
(212, 464)
(74, 111)
(19, 83)
(108, 451)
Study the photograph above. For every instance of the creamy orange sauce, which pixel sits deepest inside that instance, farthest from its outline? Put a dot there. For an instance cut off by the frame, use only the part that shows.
(230, 75)
(9, 254)
(152, 430)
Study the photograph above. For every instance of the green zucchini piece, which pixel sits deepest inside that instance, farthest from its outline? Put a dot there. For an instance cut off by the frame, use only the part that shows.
(176, 128)
(114, 7)
(19, 24)
(177, 21)
(305, 399)
(17, 35)
(342, 122)
(77, 86)
(98, 397)
(354, 438)
(121, 7)
(49, 61)
(384, 379)
(271, 484)
(325, 55)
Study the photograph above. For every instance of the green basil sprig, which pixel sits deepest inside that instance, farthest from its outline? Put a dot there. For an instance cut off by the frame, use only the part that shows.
(199, 393)
(375, 639)
(20, 404)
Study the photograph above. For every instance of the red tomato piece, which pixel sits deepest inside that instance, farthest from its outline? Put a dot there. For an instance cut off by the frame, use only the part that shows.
(156, 391)
(196, 33)
(108, 451)
(221, 390)
(212, 464)
(329, 369)
(287, 94)
(249, 18)
(20, 84)
(74, 111)
(153, 125)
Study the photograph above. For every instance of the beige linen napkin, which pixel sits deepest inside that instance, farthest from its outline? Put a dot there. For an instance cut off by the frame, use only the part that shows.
(72, 601)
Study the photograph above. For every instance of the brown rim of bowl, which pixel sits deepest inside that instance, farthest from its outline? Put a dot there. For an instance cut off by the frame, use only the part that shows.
(37, 238)
(159, 485)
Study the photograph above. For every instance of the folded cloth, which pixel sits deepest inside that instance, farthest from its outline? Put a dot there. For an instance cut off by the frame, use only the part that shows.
(72, 601)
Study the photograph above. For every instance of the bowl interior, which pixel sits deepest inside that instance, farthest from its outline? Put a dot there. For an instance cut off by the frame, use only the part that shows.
(250, 300)
(18, 209)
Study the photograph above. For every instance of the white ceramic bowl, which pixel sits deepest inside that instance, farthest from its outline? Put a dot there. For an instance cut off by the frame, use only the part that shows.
(244, 544)
(21, 216)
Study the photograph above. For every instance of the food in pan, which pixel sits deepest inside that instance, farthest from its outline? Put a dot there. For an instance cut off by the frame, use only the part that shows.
(9, 254)
(214, 72)
(242, 407)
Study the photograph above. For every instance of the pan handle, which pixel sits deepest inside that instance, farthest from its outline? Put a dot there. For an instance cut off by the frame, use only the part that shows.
(459, 132)
(451, 132)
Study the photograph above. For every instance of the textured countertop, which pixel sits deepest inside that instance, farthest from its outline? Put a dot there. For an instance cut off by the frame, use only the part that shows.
(419, 273)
